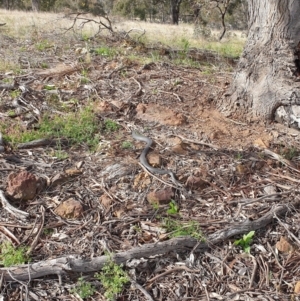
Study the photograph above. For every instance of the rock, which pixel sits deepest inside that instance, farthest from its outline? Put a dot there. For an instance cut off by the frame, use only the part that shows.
(154, 160)
(284, 246)
(297, 288)
(106, 201)
(196, 183)
(59, 179)
(141, 181)
(162, 196)
(23, 185)
(69, 209)
(288, 115)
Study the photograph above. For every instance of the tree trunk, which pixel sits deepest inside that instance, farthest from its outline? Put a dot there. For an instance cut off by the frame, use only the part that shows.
(267, 75)
(35, 5)
(175, 5)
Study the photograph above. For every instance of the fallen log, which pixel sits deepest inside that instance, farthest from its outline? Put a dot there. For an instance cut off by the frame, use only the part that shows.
(63, 265)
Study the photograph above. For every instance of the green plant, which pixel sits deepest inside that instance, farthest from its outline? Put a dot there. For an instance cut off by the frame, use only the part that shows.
(42, 45)
(84, 77)
(105, 51)
(44, 65)
(12, 256)
(14, 93)
(177, 228)
(49, 87)
(80, 127)
(173, 208)
(245, 241)
(48, 231)
(83, 289)
(113, 278)
(126, 145)
(290, 153)
(110, 125)
(239, 156)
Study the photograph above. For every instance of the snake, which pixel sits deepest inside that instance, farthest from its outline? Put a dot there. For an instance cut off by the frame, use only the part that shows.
(144, 161)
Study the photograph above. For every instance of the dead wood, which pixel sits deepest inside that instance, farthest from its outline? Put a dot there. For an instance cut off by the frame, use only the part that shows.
(63, 265)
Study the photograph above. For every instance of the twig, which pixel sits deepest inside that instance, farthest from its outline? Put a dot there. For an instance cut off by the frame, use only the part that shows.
(172, 93)
(253, 272)
(286, 228)
(150, 281)
(12, 210)
(197, 142)
(9, 234)
(139, 287)
(35, 241)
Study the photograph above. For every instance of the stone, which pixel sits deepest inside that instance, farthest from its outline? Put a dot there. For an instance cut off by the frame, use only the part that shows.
(161, 197)
(69, 209)
(196, 183)
(284, 246)
(23, 185)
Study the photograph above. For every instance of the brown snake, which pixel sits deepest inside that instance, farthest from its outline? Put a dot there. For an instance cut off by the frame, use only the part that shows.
(144, 162)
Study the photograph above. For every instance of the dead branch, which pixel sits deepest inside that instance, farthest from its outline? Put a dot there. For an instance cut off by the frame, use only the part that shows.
(67, 264)
(104, 23)
(12, 210)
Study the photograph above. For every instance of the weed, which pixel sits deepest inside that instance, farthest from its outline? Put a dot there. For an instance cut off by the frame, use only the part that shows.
(177, 228)
(239, 156)
(14, 93)
(83, 289)
(84, 77)
(12, 256)
(155, 206)
(11, 113)
(105, 51)
(42, 45)
(113, 278)
(245, 241)
(60, 154)
(127, 145)
(173, 209)
(186, 46)
(49, 87)
(48, 231)
(110, 125)
(44, 65)
(290, 153)
(81, 127)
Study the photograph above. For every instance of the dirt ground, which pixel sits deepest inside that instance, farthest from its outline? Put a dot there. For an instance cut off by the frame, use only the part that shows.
(232, 171)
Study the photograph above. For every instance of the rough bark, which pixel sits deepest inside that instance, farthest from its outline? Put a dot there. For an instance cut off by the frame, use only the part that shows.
(67, 264)
(35, 5)
(175, 5)
(267, 73)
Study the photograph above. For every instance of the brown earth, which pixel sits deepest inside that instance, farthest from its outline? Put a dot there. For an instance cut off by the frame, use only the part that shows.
(234, 171)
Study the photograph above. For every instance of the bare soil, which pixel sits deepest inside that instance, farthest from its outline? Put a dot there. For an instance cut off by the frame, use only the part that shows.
(175, 105)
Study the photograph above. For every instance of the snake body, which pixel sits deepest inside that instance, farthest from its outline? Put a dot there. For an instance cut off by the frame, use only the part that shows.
(144, 161)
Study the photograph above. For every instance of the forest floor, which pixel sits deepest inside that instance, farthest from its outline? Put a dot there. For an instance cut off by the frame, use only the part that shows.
(234, 173)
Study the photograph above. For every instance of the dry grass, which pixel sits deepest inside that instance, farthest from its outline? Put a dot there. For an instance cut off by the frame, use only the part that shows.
(25, 24)
(183, 36)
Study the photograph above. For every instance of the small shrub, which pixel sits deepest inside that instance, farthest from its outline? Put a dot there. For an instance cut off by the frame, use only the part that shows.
(83, 289)
(12, 256)
(110, 125)
(245, 241)
(173, 208)
(177, 228)
(126, 145)
(113, 279)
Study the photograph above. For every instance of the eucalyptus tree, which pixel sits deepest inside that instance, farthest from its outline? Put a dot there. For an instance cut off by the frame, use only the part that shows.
(267, 78)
